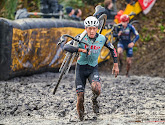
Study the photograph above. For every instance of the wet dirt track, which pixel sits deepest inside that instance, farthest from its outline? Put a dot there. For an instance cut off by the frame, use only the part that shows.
(138, 100)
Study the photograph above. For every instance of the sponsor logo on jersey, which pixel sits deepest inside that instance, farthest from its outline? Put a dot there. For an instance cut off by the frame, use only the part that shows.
(115, 53)
(136, 33)
(79, 86)
(127, 31)
(93, 47)
(96, 76)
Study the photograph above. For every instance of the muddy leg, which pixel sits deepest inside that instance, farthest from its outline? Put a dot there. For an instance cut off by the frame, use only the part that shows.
(129, 61)
(120, 55)
(96, 89)
(80, 105)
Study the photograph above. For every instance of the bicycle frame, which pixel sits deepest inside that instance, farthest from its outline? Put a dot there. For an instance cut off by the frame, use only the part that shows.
(105, 50)
(68, 59)
(75, 43)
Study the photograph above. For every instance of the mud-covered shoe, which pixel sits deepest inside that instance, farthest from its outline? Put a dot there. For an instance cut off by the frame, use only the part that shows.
(95, 106)
(80, 106)
(81, 115)
(127, 74)
(80, 111)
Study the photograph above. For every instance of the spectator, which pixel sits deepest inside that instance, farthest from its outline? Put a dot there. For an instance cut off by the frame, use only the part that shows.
(50, 6)
(69, 11)
(108, 4)
(77, 15)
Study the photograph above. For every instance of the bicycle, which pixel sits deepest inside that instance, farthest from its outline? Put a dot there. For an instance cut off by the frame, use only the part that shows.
(67, 62)
(113, 30)
(111, 39)
(134, 22)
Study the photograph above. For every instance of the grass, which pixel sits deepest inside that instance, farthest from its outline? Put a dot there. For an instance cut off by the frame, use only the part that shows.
(162, 28)
(10, 8)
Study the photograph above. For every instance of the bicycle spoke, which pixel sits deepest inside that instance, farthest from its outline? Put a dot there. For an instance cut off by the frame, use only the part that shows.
(63, 63)
(70, 63)
(102, 19)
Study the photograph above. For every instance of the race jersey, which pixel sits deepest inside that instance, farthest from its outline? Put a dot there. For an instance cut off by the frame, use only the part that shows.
(95, 46)
(125, 37)
(95, 49)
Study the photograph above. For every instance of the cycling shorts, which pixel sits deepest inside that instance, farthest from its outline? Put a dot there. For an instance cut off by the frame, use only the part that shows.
(129, 51)
(84, 72)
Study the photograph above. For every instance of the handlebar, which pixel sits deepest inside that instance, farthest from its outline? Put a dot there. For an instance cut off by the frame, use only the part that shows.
(62, 39)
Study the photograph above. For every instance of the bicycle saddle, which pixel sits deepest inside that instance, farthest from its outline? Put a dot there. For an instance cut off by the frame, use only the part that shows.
(98, 9)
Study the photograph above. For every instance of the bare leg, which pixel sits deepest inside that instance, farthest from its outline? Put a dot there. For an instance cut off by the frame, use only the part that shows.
(80, 105)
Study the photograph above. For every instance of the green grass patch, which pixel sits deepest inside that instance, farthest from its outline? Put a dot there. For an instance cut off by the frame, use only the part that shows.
(135, 48)
(162, 28)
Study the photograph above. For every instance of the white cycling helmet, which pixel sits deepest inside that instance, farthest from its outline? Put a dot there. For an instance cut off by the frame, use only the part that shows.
(91, 21)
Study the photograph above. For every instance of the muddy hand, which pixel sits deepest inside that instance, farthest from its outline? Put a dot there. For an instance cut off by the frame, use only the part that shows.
(84, 51)
(115, 69)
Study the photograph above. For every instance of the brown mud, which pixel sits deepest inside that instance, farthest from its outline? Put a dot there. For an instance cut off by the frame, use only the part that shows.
(123, 101)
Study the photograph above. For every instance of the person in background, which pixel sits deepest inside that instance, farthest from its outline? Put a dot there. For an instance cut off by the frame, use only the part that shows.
(125, 42)
(108, 4)
(77, 15)
(69, 11)
(50, 6)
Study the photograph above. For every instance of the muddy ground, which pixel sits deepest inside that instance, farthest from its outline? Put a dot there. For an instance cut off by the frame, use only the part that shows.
(137, 100)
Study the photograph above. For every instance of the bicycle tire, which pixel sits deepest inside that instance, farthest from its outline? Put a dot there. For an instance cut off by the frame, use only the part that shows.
(106, 50)
(102, 20)
(137, 26)
(63, 70)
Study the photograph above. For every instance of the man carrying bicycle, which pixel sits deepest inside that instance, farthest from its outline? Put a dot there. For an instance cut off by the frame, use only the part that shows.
(125, 42)
(87, 66)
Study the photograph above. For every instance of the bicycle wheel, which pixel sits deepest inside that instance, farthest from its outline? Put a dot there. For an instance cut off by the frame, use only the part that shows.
(102, 20)
(63, 70)
(105, 51)
(137, 26)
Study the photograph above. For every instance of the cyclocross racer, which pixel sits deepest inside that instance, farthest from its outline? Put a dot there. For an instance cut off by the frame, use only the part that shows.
(87, 66)
(125, 42)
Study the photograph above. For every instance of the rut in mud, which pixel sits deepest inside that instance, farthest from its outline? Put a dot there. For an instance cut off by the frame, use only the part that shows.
(29, 100)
